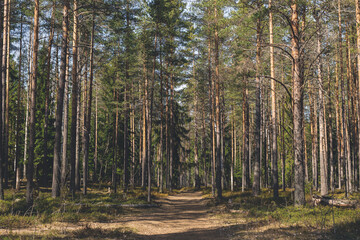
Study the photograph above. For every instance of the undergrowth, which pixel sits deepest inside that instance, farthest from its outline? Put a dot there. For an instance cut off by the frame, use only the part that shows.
(99, 205)
(333, 220)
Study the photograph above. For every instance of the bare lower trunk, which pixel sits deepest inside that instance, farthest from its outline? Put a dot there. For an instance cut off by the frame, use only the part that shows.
(64, 162)
(88, 102)
(217, 111)
(257, 137)
(18, 120)
(246, 150)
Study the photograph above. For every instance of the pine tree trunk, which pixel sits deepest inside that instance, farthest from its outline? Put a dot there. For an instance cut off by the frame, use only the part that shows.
(150, 104)
(330, 135)
(171, 131)
(342, 91)
(115, 144)
(144, 132)
(274, 152)
(161, 125)
(18, 119)
(95, 174)
(64, 162)
(74, 103)
(78, 140)
(196, 152)
(246, 142)
(212, 125)
(126, 100)
(217, 110)
(348, 107)
(2, 110)
(4, 127)
(314, 139)
(6, 138)
(257, 136)
(45, 162)
(283, 153)
(357, 3)
(299, 195)
(32, 119)
(322, 123)
(87, 123)
(60, 103)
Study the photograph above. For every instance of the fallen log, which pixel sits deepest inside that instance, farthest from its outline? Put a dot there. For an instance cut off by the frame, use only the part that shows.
(325, 200)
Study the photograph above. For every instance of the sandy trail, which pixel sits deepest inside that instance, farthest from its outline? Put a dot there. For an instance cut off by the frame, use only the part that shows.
(179, 217)
(183, 216)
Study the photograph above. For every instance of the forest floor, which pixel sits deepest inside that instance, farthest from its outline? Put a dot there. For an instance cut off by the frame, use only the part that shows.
(193, 215)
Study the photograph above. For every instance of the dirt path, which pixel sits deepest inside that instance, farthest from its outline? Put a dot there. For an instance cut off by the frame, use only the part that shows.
(183, 216)
(179, 217)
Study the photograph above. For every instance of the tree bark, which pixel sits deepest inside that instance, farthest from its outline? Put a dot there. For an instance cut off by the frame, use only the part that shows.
(274, 152)
(217, 108)
(257, 137)
(322, 123)
(18, 119)
(60, 103)
(87, 123)
(45, 162)
(342, 91)
(357, 4)
(6, 131)
(64, 162)
(196, 151)
(2, 111)
(32, 119)
(330, 135)
(299, 196)
(74, 102)
(126, 100)
(246, 151)
(314, 138)
(4, 141)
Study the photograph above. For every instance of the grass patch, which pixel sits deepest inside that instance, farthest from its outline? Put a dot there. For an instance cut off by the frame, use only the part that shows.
(99, 205)
(332, 220)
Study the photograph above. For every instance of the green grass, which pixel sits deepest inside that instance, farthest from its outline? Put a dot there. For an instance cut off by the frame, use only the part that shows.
(282, 210)
(97, 206)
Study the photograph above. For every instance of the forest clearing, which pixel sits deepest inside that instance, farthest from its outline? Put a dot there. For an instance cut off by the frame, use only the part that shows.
(180, 119)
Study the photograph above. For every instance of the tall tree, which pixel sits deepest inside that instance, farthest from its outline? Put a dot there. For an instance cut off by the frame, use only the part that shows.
(257, 137)
(88, 102)
(60, 102)
(357, 5)
(217, 106)
(298, 110)
(45, 160)
(32, 119)
(274, 152)
(322, 123)
(74, 101)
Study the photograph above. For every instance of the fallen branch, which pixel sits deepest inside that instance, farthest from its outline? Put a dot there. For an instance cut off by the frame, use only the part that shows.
(324, 200)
